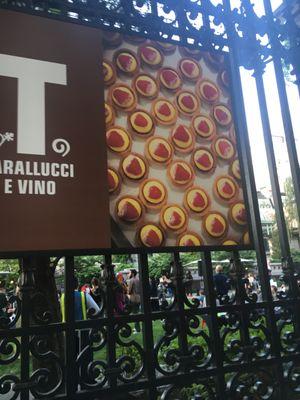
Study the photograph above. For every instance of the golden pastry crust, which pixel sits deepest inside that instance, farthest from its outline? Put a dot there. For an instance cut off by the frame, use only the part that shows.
(188, 239)
(146, 86)
(229, 242)
(235, 169)
(166, 48)
(159, 150)
(232, 134)
(141, 123)
(122, 97)
(181, 174)
(173, 218)
(189, 69)
(222, 115)
(204, 127)
(223, 148)
(118, 140)
(190, 52)
(110, 116)
(150, 55)
(223, 80)
(126, 62)
(196, 200)
(246, 238)
(208, 91)
(182, 138)
(215, 225)
(134, 167)
(153, 193)
(114, 181)
(225, 188)
(204, 160)
(164, 111)
(109, 72)
(169, 79)
(150, 235)
(187, 103)
(129, 209)
(238, 213)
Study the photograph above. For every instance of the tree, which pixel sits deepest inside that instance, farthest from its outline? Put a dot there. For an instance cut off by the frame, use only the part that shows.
(290, 205)
(11, 266)
(275, 251)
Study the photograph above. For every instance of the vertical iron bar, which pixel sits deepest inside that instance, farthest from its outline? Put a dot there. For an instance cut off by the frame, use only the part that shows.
(148, 339)
(72, 370)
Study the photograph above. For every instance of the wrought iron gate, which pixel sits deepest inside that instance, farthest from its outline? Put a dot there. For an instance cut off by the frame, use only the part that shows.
(240, 347)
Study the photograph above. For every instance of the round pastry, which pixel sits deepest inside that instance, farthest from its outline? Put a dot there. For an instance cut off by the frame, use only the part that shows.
(190, 52)
(187, 103)
(225, 188)
(169, 78)
(118, 140)
(189, 239)
(238, 213)
(214, 61)
(223, 148)
(196, 200)
(141, 123)
(223, 79)
(204, 160)
(204, 126)
(159, 149)
(109, 73)
(165, 47)
(183, 138)
(146, 86)
(235, 169)
(215, 224)
(150, 56)
(229, 242)
(181, 174)
(164, 111)
(150, 235)
(246, 238)
(222, 115)
(109, 115)
(208, 91)
(153, 193)
(114, 181)
(134, 167)
(232, 134)
(126, 62)
(173, 218)
(189, 69)
(129, 209)
(111, 39)
(123, 97)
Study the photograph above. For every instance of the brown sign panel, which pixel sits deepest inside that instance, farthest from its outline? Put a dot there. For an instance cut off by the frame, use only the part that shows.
(53, 167)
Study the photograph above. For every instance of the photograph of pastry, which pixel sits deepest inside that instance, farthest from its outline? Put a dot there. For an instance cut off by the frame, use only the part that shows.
(173, 166)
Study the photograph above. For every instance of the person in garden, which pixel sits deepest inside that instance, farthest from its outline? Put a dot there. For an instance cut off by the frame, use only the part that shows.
(134, 295)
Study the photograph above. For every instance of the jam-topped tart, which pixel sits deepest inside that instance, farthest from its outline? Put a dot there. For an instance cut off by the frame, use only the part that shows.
(235, 169)
(123, 97)
(153, 193)
(204, 160)
(164, 111)
(114, 181)
(109, 73)
(150, 55)
(189, 52)
(196, 200)
(246, 238)
(129, 209)
(167, 48)
(159, 150)
(225, 188)
(181, 174)
(223, 79)
(182, 139)
(118, 140)
(109, 115)
(126, 62)
(189, 239)
(169, 78)
(238, 213)
(214, 61)
(215, 224)
(222, 115)
(204, 126)
(141, 123)
(223, 148)
(187, 103)
(146, 86)
(208, 91)
(173, 218)
(111, 39)
(229, 242)
(134, 167)
(151, 235)
(189, 69)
